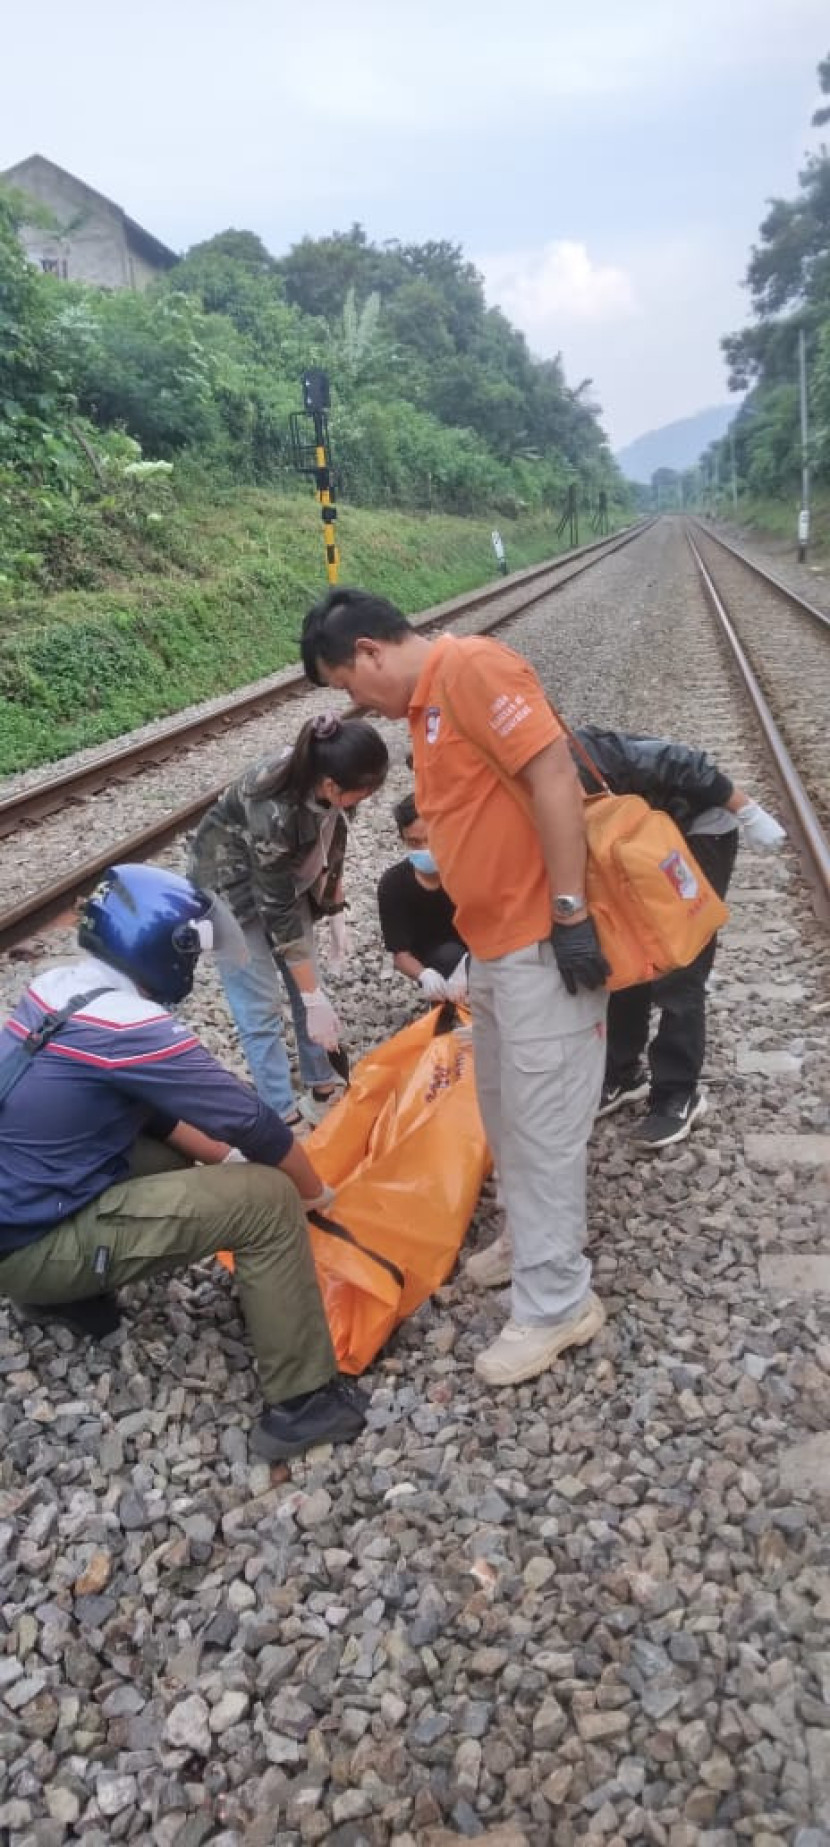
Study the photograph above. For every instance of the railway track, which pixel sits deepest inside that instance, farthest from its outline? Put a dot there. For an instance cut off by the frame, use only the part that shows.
(24, 807)
(789, 697)
(779, 642)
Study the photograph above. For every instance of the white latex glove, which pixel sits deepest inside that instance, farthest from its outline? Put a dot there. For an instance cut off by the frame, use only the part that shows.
(758, 828)
(321, 1020)
(321, 1202)
(338, 952)
(433, 984)
(457, 983)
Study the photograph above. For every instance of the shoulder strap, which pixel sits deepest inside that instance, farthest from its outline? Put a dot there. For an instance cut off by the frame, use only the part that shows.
(511, 782)
(17, 1061)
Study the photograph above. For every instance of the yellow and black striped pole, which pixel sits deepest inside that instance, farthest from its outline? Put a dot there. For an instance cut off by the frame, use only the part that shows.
(316, 402)
(322, 476)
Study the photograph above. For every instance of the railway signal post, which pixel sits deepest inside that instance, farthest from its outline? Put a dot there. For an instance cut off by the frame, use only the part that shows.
(314, 458)
(600, 520)
(570, 517)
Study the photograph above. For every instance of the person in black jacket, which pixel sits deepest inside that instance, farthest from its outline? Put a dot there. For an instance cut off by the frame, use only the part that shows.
(713, 815)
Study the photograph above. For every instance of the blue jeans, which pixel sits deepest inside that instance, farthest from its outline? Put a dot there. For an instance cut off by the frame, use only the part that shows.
(254, 995)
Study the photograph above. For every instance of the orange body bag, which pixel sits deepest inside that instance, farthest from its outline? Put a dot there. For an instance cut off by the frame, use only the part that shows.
(405, 1149)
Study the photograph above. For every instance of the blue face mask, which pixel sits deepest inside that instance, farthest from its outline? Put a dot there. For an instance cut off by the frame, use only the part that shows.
(422, 860)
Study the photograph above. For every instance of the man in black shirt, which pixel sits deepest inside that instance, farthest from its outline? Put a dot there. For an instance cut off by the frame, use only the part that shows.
(416, 915)
(713, 815)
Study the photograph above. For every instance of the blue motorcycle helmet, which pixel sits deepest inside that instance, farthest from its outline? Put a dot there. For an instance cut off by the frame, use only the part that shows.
(153, 925)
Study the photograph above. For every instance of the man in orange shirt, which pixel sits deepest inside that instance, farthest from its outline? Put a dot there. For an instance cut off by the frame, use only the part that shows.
(479, 723)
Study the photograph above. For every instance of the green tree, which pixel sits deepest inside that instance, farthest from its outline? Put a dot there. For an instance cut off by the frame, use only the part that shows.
(437, 401)
(790, 266)
(144, 362)
(319, 272)
(665, 488)
(789, 281)
(359, 332)
(822, 114)
(33, 385)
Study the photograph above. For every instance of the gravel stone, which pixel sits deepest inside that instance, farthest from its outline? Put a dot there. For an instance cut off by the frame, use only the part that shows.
(114, 1793)
(187, 1725)
(430, 1727)
(314, 1509)
(22, 1692)
(64, 1805)
(95, 1577)
(228, 1711)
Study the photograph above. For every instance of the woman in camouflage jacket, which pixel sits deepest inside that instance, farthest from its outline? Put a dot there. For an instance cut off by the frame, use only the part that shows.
(274, 846)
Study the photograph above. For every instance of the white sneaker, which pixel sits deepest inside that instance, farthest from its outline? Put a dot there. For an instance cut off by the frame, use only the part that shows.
(491, 1269)
(521, 1352)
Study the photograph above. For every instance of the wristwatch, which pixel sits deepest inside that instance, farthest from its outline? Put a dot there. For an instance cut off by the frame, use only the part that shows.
(566, 906)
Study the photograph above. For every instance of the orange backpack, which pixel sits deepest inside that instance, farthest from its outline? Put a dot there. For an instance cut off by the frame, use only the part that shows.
(653, 907)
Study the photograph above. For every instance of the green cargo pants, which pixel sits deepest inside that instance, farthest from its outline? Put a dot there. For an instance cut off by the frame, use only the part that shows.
(169, 1214)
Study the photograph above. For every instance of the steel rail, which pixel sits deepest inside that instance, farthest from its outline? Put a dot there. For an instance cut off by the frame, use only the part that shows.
(52, 901)
(25, 806)
(790, 596)
(809, 836)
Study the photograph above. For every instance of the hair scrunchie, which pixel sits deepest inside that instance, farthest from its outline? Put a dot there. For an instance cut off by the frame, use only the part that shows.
(326, 725)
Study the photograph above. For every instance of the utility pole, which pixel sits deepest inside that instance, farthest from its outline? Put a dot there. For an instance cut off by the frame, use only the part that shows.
(734, 468)
(804, 515)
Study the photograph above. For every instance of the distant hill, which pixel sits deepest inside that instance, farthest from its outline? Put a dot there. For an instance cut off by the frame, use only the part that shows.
(676, 445)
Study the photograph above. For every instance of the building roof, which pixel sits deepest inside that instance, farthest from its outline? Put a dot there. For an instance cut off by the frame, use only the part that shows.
(143, 242)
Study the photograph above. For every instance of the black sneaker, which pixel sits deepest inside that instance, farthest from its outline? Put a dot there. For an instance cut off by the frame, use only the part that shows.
(335, 1413)
(616, 1092)
(92, 1317)
(670, 1120)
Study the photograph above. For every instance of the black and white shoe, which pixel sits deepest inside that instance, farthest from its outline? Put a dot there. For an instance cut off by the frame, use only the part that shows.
(670, 1120)
(335, 1413)
(616, 1092)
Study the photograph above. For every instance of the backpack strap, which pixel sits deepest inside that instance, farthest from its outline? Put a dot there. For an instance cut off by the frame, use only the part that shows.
(511, 782)
(15, 1063)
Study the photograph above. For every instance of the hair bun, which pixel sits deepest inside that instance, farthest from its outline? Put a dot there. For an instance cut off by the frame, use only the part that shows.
(326, 725)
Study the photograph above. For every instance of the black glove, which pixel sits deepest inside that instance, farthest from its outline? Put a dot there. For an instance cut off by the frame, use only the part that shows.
(579, 958)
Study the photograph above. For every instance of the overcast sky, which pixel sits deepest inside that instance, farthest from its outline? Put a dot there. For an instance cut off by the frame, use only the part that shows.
(605, 165)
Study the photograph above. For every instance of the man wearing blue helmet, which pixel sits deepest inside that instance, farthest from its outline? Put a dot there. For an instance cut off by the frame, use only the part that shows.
(106, 1100)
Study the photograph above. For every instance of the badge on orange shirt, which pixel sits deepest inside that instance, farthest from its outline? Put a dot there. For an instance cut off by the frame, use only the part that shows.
(432, 721)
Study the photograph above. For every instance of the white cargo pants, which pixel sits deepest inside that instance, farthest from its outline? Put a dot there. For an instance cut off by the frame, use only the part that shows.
(539, 1061)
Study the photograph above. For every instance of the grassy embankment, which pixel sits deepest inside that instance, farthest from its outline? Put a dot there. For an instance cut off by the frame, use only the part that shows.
(212, 602)
(777, 520)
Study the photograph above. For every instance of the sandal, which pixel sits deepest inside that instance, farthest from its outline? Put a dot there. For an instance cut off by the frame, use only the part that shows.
(297, 1123)
(314, 1105)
